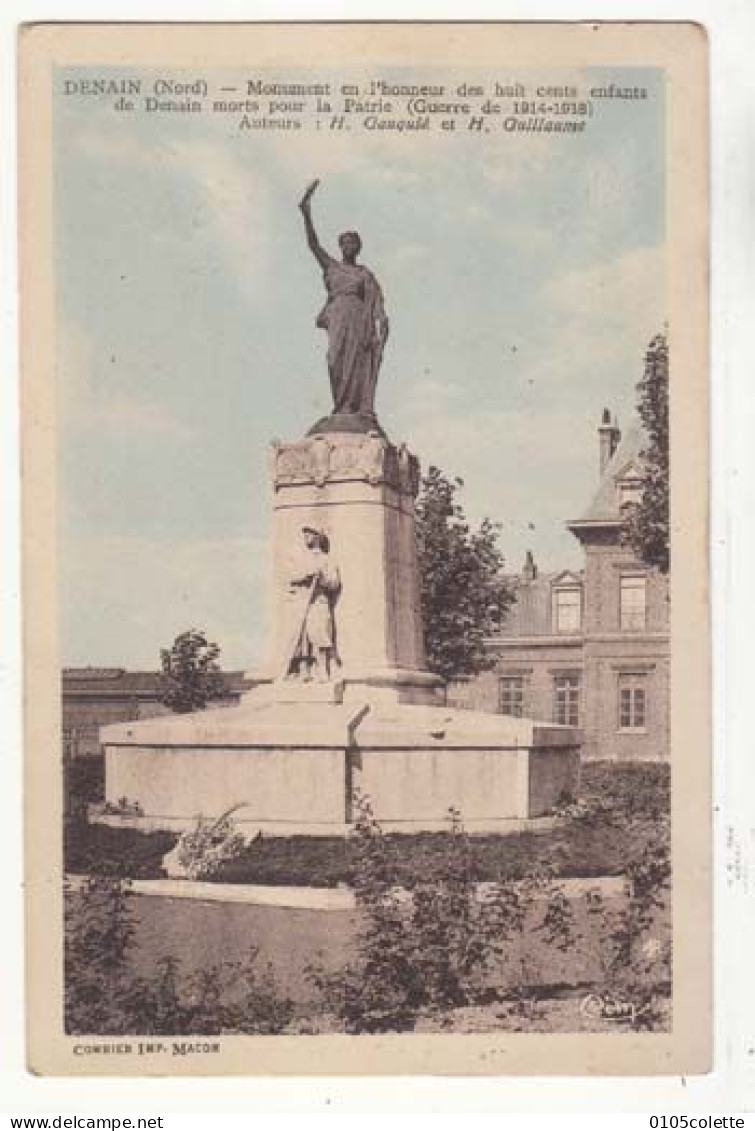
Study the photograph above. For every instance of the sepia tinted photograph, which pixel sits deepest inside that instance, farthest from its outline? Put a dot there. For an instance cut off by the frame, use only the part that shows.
(365, 391)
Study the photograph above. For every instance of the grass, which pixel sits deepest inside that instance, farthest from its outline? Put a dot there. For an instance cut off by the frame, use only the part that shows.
(622, 804)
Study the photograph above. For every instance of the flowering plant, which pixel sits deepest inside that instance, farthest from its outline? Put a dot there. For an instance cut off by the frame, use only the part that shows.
(201, 851)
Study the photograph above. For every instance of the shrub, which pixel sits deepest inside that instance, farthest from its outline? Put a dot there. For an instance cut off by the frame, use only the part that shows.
(451, 941)
(432, 948)
(104, 996)
(101, 850)
(100, 992)
(639, 938)
(85, 780)
(230, 997)
(380, 991)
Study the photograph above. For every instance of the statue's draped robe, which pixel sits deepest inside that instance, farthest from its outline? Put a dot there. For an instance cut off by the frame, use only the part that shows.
(351, 316)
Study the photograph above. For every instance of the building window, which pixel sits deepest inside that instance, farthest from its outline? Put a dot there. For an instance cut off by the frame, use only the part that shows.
(630, 492)
(632, 702)
(567, 609)
(511, 695)
(633, 604)
(566, 700)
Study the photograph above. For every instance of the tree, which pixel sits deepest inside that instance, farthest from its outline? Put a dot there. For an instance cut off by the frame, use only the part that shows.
(647, 522)
(464, 593)
(191, 674)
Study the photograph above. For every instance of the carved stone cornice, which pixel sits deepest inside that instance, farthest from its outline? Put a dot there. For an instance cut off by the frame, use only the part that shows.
(345, 457)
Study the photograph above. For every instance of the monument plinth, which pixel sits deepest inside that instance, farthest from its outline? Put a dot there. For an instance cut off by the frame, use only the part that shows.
(294, 767)
(358, 492)
(344, 700)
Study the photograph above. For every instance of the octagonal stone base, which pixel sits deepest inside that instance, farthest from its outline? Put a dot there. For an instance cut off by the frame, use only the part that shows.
(296, 767)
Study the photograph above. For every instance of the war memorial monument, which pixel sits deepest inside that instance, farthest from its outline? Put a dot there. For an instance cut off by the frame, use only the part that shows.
(343, 703)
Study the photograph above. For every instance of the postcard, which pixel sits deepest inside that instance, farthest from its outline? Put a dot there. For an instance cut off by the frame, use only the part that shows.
(367, 653)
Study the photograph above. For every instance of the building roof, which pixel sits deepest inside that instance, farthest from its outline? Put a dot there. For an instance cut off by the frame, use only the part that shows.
(530, 614)
(118, 681)
(604, 506)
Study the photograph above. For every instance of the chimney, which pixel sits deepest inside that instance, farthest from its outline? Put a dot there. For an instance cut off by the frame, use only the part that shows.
(609, 436)
(529, 572)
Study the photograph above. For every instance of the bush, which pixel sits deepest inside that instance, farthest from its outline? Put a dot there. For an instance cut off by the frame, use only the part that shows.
(452, 942)
(190, 672)
(379, 992)
(100, 993)
(635, 940)
(83, 783)
(230, 997)
(431, 949)
(104, 996)
(105, 851)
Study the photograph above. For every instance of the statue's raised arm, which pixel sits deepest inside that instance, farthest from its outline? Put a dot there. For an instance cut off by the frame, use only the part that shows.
(313, 242)
(357, 327)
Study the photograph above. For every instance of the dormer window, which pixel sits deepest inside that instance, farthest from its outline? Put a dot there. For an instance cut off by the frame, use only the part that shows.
(629, 485)
(630, 492)
(567, 608)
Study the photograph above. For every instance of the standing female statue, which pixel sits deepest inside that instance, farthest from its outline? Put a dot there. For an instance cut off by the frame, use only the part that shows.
(355, 320)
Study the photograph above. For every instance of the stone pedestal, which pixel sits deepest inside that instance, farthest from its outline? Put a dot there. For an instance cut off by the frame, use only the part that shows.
(295, 768)
(360, 489)
(293, 754)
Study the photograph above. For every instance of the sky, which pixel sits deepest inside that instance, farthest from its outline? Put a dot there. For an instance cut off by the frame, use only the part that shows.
(523, 276)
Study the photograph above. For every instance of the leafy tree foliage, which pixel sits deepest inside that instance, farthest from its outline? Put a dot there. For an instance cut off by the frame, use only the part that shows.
(647, 523)
(191, 674)
(465, 595)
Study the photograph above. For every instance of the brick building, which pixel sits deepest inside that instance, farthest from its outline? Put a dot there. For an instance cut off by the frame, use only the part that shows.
(93, 697)
(589, 648)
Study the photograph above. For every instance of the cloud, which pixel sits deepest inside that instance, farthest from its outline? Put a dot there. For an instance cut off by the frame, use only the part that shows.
(403, 255)
(509, 167)
(429, 393)
(398, 160)
(111, 145)
(517, 467)
(479, 443)
(86, 403)
(125, 597)
(617, 181)
(235, 202)
(623, 297)
(525, 239)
